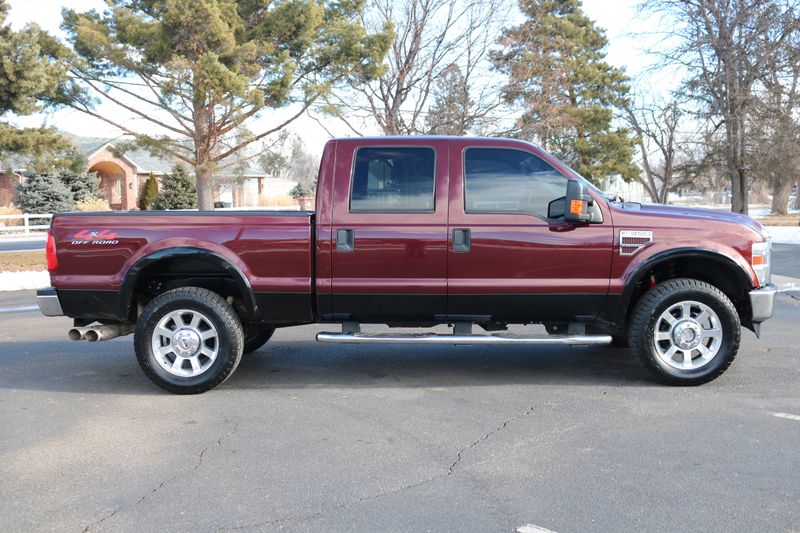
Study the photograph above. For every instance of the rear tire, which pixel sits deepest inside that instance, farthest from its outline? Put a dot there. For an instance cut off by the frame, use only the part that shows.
(255, 338)
(685, 332)
(188, 340)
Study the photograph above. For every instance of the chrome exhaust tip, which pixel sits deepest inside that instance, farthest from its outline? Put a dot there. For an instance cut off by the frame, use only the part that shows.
(106, 333)
(77, 334)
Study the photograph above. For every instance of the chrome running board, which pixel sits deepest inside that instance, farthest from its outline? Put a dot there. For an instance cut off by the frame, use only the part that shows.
(436, 338)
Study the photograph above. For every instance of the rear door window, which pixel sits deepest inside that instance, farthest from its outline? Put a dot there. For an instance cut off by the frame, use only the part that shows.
(392, 180)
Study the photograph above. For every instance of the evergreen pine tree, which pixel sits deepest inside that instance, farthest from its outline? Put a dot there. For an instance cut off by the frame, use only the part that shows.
(82, 185)
(44, 193)
(452, 110)
(558, 74)
(212, 65)
(178, 191)
(149, 193)
(32, 77)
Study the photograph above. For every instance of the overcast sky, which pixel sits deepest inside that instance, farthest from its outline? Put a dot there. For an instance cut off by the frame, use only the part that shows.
(617, 17)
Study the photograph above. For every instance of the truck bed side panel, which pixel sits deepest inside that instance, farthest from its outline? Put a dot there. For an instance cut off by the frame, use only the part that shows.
(97, 251)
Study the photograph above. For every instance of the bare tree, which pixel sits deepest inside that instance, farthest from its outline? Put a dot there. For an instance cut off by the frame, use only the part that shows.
(728, 47)
(656, 127)
(776, 132)
(432, 37)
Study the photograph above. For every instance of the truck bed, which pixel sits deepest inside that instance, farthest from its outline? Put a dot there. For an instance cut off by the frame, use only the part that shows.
(100, 253)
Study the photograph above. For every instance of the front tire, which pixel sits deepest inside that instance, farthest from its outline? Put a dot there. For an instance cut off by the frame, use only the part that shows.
(685, 332)
(188, 340)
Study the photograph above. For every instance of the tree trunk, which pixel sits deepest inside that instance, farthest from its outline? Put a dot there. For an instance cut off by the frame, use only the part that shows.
(652, 193)
(780, 197)
(735, 168)
(796, 204)
(205, 189)
(664, 194)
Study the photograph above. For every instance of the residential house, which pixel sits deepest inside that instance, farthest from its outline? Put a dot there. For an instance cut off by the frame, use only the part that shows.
(123, 174)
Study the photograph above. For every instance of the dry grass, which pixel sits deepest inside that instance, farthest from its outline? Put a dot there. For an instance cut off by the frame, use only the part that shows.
(22, 261)
(10, 210)
(281, 200)
(93, 204)
(780, 220)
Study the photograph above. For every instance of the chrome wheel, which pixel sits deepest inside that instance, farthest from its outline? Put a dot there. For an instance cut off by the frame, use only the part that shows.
(185, 343)
(688, 335)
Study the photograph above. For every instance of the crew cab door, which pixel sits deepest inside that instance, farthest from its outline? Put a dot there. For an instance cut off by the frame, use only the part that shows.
(507, 261)
(389, 230)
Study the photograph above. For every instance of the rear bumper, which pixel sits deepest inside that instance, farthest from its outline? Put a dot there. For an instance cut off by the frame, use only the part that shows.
(762, 302)
(48, 302)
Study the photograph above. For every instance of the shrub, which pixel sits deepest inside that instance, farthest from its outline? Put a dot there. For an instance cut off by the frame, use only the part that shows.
(44, 193)
(301, 190)
(179, 191)
(83, 186)
(149, 193)
(93, 204)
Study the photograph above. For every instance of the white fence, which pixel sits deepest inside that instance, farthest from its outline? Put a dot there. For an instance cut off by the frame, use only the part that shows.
(7, 227)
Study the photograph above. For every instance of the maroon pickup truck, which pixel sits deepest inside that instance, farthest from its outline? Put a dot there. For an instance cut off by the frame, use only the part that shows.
(415, 232)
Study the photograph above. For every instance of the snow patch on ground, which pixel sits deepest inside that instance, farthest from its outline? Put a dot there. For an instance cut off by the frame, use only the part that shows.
(767, 211)
(17, 281)
(784, 234)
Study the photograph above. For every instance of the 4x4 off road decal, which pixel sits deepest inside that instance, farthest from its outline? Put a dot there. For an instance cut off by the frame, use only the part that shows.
(88, 236)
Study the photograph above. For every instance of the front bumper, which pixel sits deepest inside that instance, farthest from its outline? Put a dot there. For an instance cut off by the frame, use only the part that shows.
(47, 299)
(762, 302)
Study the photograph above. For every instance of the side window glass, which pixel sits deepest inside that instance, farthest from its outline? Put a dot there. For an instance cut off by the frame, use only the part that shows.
(509, 181)
(393, 180)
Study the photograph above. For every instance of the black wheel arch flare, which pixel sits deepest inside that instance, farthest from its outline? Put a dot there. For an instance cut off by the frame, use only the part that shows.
(132, 276)
(617, 308)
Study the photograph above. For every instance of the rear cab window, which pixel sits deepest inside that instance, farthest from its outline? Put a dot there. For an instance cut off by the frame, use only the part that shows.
(393, 180)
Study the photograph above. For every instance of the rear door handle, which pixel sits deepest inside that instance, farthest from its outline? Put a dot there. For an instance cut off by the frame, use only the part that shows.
(461, 240)
(345, 240)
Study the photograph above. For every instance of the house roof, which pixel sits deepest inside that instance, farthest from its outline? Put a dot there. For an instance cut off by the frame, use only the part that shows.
(146, 163)
(237, 165)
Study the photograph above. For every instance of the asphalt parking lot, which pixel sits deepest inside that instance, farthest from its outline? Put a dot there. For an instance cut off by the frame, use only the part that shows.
(352, 438)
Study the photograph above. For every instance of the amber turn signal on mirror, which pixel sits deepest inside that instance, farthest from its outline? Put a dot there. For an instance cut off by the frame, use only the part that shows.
(576, 207)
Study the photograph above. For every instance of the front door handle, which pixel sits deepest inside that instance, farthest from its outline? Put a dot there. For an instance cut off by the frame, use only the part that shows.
(461, 240)
(345, 240)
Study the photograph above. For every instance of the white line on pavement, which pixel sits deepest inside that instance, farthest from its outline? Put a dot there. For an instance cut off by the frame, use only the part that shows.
(20, 309)
(530, 528)
(23, 238)
(787, 415)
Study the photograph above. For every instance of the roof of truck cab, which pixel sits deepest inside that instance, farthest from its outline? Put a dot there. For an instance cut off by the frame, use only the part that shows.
(432, 138)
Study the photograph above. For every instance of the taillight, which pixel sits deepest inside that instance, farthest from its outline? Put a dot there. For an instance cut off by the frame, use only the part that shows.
(50, 253)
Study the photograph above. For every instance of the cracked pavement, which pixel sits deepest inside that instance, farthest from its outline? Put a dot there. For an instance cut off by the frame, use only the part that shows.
(352, 438)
